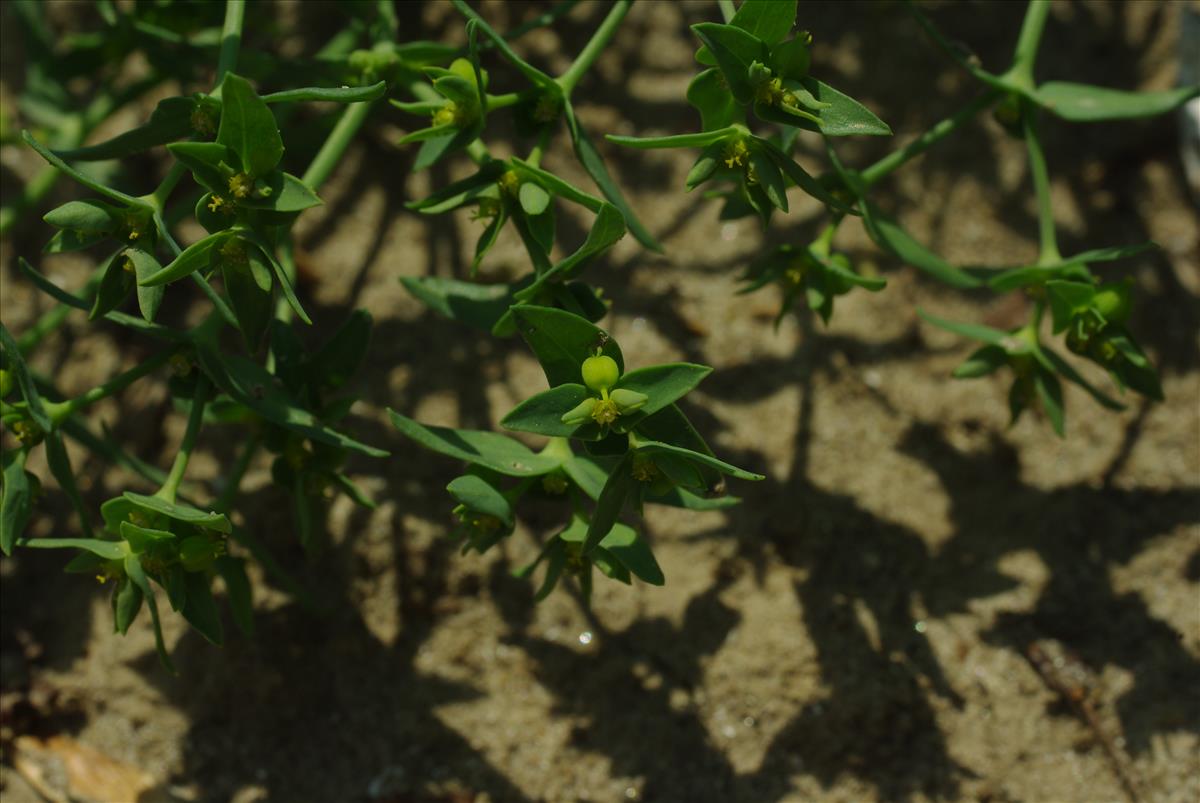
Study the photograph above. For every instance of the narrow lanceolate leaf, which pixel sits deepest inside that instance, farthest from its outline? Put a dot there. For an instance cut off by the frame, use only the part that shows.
(1049, 391)
(133, 569)
(480, 305)
(248, 128)
(338, 94)
(109, 550)
(461, 192)
(888, 234)
(655, 447)
(170, 120)
(60, 468)
(612, 499)
(90, 183)
(607, 229)
(187, 514)
(126, 603)
(115, 284)
(16, 502)
(85, 217)
(237, 588)
(560, 187)
(490, 450)
(29, 392)
(663, 384)
(562, 341)
(196, 256)
(253, 306)
(981, 362)
(1084, 103)
(478, 494)
(542, 414)
(285, 193)
(249, 384)
(592, 162)
(149, 298)
(677, 140)
(976, 331)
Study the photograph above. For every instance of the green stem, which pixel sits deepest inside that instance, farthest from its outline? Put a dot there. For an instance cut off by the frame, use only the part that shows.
(594, 47)
(335, 144)
(535, 155)
(941, 130)
(504, 101)
(727, 9)
(59, 411)
(163, 191)
(1049, 253)
(231, 37)
(195, 419)
(1028, 41)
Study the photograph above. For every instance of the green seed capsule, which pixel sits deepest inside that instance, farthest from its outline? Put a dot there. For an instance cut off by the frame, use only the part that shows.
(600, 372)
(1113, 301)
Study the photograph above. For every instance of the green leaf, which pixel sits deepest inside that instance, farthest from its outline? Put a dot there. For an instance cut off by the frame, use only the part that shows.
(534, 199)
(126, 603)
(633, 552)
(90, 183)
(253, 306)
(462, 192)
(478, 495)
(531, 73)
(542, 228)
(705, 166)
(1053, 362)
(1049, 390)
(338, 94)
(734, 51)
(149, 298)
(977, 331)
(769, 20)
(844, 116)
(20, 371)
(237, 587)
(664, 384)
(1068, 299)
(479, 305)
(607, 229)
(60, 467)
(682, 497)
(144, 539)
(542, 414)
(612, 499)
(16, 501)
(170, 120)
(489, 450)
(115, 284)
(771, 180)
(712, 98)
(585, 472)
(1084, 103)
(889, 235)
(590, 158)
(133, 568)
(184, 513)
(799, 176)
(200, 610)
(208, 161)
(700, 140)
(655, 447)
(109, 550)
(562, 188)
(248, 128)
(562, 341)
(84, 217)
(981, 362)
(66, 241)
(249, 384)
(286, 194)
(196, 256)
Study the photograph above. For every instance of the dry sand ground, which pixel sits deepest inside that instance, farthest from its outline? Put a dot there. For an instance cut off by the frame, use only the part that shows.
(856, 630)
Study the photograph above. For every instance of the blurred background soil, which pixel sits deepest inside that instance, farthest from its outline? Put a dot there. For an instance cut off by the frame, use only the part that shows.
(859, 629)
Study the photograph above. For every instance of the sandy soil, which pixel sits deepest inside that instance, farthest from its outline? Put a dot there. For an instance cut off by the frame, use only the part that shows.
(858, 629)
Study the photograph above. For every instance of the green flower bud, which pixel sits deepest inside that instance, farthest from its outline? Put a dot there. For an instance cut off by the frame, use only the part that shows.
(628, 400)
(600, 372)
(580, 413)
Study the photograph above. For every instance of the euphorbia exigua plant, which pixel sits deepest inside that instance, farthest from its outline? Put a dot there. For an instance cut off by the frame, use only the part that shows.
(612, 437)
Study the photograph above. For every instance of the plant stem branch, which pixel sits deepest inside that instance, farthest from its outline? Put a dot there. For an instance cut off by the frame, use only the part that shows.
(594, 47)
(336, 143)
(727, 9)
(231, 37)
(1049, 253)
(195, 419)
(59, 411)
(939, 131)
(1028, 41)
